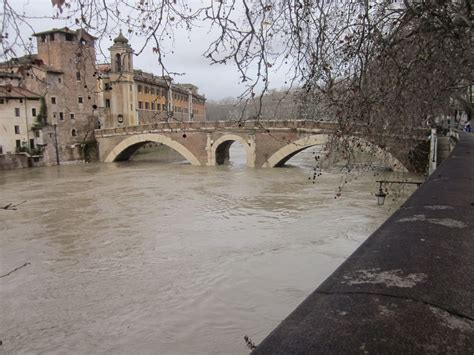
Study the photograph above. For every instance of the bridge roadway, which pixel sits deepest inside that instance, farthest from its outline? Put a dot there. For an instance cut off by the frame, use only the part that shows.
(267, 143)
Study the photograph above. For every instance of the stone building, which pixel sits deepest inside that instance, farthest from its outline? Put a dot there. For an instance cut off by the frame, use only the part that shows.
(61, 78)
(129, 97)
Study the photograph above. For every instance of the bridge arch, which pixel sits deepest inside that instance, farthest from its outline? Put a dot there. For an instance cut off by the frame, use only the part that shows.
(281, 156)
(128, 146)
(220, 149)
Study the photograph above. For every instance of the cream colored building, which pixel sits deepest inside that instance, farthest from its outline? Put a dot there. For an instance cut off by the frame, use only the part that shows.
(129, 97)
(19, 108)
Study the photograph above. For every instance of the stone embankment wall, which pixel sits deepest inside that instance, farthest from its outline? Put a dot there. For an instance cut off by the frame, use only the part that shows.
(14, 161)
(409, 288)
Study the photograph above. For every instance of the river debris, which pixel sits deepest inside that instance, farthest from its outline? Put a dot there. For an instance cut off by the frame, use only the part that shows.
(12, 207)
(18, 268)
(250, 344)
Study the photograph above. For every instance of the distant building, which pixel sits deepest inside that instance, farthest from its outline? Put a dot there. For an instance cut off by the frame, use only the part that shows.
(131, 97)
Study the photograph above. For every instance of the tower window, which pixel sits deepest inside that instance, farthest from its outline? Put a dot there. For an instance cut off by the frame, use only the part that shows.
(72, 116)
(17, 129)
(53, 100)
(80, 100)
(118, 62)
(78, 75)
(107, 103)
(51, 37)
(43, 38)
(69, 37)
(17, 112)
(61, 116)
(73, 132)
(33, 112)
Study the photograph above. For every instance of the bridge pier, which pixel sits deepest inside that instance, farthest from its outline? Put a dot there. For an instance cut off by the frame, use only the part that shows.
(218, 150)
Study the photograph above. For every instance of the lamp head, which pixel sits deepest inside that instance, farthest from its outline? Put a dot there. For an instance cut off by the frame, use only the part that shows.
(380, 197)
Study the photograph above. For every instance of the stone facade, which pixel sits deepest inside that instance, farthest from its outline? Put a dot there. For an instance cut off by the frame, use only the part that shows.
(62, 75)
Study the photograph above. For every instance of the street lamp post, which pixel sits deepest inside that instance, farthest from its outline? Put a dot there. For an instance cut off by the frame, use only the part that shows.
(56, 143)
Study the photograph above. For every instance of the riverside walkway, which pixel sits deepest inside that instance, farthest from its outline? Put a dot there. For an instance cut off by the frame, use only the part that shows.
(409, 288)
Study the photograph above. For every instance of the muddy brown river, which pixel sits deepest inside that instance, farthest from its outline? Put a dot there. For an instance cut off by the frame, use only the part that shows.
(151, 258)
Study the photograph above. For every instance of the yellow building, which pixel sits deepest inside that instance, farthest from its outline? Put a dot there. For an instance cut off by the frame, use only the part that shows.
(129, 97)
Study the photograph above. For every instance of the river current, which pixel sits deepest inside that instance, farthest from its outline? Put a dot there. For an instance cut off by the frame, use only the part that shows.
(151, 258)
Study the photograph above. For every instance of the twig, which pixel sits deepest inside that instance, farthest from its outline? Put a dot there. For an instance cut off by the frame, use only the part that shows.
(18, 268)
(250, 344)
(12, 207)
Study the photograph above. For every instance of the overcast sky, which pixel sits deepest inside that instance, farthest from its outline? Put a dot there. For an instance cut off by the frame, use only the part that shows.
(214, 81)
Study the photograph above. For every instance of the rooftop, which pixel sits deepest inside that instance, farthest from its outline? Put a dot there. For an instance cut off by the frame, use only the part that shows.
(29, 59)
(164, 80)
(15, 92)
(63, 30)
(121, 38)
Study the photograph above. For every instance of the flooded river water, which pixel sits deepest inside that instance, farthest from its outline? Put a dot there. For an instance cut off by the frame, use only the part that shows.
(147, 258)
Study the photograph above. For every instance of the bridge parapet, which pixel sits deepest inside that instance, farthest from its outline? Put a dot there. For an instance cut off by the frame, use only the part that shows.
(250, 124)
(211, 125)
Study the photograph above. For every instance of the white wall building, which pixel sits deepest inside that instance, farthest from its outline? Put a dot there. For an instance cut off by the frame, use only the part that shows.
(19, 108)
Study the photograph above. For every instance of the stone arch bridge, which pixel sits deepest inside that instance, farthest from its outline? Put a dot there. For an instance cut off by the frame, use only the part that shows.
(267, 143)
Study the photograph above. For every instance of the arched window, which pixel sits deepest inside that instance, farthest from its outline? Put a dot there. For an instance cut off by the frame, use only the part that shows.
(118, 61)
